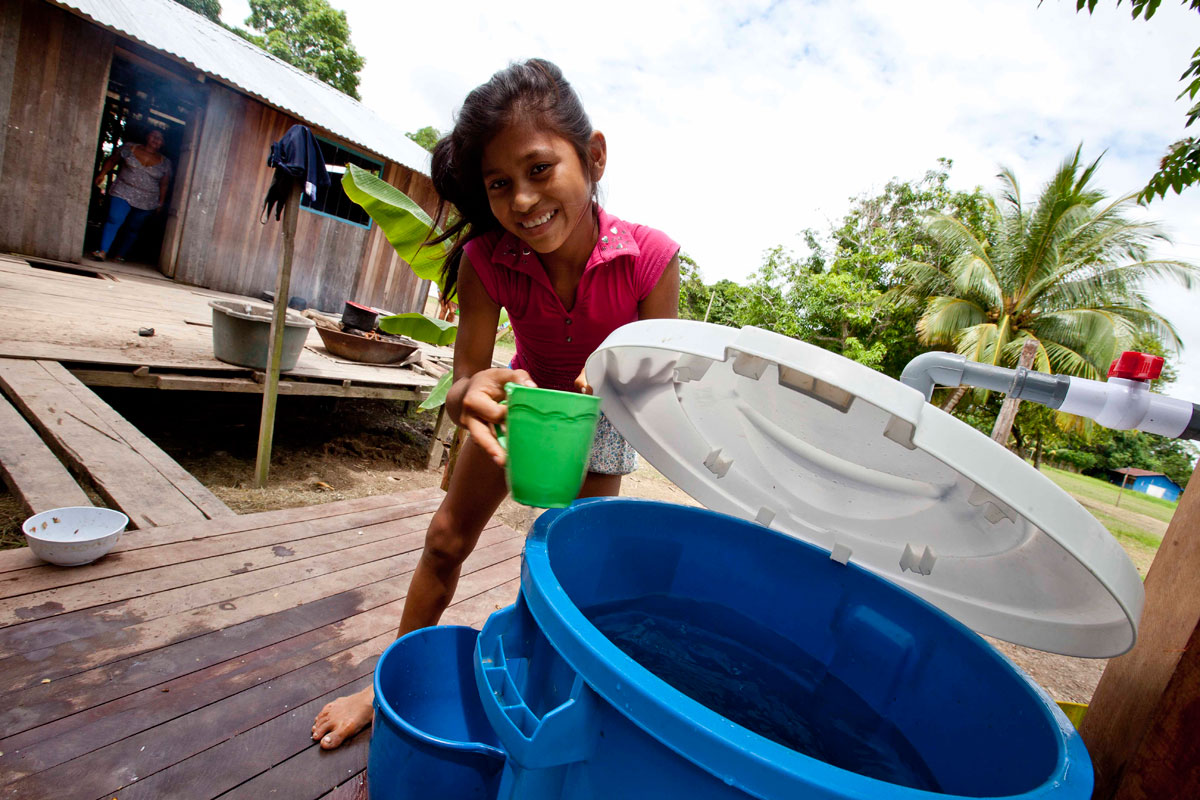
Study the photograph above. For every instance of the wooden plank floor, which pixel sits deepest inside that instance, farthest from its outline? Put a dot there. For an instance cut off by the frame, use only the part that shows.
(189, 662)
(73, 318)
(34, 474)
(127, 469)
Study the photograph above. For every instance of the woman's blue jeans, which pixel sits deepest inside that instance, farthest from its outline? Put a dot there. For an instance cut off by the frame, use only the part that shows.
(121, 214)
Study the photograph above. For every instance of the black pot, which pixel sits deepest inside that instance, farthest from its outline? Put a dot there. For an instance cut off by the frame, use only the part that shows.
(359, 317)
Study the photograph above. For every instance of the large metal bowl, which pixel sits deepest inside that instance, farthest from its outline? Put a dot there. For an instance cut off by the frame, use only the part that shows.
(367, 351)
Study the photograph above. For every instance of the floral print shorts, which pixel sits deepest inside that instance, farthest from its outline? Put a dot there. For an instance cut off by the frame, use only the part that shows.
(611, 453)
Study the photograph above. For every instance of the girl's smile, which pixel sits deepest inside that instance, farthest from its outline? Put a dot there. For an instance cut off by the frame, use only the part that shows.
(534, 224)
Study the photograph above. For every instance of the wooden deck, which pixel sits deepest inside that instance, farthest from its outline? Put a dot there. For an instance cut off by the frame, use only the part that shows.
(92, 323)
(129, 471)
(190, 661)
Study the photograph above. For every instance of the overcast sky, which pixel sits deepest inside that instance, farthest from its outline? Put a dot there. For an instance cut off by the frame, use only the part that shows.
(733, 126)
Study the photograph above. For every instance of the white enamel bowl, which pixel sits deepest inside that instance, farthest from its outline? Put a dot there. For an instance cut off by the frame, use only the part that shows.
(73, 536)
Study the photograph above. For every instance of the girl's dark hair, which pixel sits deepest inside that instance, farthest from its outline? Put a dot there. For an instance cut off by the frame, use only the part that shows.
(536, 89)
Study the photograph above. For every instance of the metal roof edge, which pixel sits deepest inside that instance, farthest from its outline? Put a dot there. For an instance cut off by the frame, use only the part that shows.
(417, 159)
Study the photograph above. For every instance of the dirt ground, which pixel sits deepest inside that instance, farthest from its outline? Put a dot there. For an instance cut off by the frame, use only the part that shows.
(328, 449)
(1154, 526)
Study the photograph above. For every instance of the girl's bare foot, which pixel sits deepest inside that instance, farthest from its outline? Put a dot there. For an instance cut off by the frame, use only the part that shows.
(344, 717)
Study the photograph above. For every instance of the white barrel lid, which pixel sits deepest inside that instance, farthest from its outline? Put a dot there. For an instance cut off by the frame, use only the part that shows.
(764, 427)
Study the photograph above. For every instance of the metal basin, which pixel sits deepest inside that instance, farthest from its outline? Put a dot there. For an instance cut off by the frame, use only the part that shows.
(367, 351)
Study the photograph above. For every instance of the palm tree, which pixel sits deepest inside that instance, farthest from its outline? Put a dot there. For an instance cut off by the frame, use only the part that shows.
(1065, 273)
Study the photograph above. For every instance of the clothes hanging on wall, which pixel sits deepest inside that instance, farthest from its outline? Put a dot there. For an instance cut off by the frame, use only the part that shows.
(296, 156)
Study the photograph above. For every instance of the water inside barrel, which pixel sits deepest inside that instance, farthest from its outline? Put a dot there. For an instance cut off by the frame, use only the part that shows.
(758, 679)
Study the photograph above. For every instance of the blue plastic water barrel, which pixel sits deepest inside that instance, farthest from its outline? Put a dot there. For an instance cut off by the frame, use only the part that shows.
(664, 651)
(430, 737)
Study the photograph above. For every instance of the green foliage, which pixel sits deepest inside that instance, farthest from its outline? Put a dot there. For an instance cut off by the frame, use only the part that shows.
(437, 396)
(1039, 433)
(205, 8)
(420, 327)
(427, 137)
(1140, 8)
(835, 295)
(1080, 459)
(1065, 271)
(882, 232)
(310, 35)
(403, 222)
(693, 294)
(1106, 450)
(1180, 167)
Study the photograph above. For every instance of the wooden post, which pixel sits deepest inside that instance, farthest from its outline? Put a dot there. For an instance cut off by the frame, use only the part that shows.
(266, 428)
(442, 432)
(460, 436)
(1008, 409)
(1124, 480)
(1142, 728)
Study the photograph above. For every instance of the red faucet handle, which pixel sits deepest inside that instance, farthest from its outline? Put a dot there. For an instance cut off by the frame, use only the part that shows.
(1135, 366)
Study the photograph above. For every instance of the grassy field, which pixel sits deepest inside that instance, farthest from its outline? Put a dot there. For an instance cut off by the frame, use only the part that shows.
(1105, 492)
(1138, 540)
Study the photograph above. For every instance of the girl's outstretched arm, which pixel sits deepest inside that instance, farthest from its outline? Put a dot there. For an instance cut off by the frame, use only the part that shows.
(663, 300)
(474, 398)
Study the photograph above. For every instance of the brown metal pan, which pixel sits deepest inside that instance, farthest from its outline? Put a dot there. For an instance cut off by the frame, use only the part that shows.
(367, 351)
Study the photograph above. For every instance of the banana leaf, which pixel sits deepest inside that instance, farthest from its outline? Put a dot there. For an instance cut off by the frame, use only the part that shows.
(438, 395)
(403, 222)
(420, 327)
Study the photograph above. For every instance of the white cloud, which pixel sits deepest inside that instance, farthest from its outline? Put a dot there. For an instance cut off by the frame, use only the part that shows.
(733, 126)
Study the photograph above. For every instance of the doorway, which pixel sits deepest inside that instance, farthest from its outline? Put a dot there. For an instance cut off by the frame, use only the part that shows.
(143, 96)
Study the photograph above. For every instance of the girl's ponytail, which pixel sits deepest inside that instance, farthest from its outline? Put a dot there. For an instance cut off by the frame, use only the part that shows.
(535, 88)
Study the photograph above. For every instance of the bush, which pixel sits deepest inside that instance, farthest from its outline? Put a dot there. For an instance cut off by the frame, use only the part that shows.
(1078, 459)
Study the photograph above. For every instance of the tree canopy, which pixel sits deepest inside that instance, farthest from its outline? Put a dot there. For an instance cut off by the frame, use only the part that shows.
(1065, 271)
(310, 35)
(427, 137)
(205, 8)
(834, 295)
(846, 291)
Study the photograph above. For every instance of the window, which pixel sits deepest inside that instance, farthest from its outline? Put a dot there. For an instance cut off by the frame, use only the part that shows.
(332, 201)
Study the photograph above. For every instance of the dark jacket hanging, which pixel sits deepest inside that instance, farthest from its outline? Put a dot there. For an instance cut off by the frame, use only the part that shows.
(297, 156)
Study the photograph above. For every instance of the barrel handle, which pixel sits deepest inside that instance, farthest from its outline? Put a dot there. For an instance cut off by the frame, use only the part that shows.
(563, 735)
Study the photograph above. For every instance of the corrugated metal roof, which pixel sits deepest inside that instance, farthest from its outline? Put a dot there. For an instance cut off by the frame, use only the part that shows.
(167, 26)
(1137, 473)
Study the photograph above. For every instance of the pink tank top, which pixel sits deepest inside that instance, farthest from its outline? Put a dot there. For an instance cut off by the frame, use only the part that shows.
(552, 342)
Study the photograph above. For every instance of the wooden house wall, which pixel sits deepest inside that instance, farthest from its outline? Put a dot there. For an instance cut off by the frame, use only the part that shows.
(224, 245)
(53, 76)
(54, 69)
(386, 281)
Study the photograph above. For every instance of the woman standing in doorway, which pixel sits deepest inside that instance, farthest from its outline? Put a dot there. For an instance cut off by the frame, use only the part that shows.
(139, 190)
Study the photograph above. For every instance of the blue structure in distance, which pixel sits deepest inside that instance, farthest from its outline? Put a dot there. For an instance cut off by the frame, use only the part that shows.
(1155, 484)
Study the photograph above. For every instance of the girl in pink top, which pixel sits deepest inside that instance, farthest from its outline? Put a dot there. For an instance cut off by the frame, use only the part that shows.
(520, 169)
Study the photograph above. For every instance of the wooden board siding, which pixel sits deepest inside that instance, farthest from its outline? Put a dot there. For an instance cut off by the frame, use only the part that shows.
(54, 71)
(224, 246)
(386, 281)
(52, 84)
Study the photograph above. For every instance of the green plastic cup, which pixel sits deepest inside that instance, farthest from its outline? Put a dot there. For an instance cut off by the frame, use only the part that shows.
(548, 436)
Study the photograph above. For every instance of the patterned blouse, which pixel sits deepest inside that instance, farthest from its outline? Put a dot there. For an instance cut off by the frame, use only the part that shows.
(138, 184)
